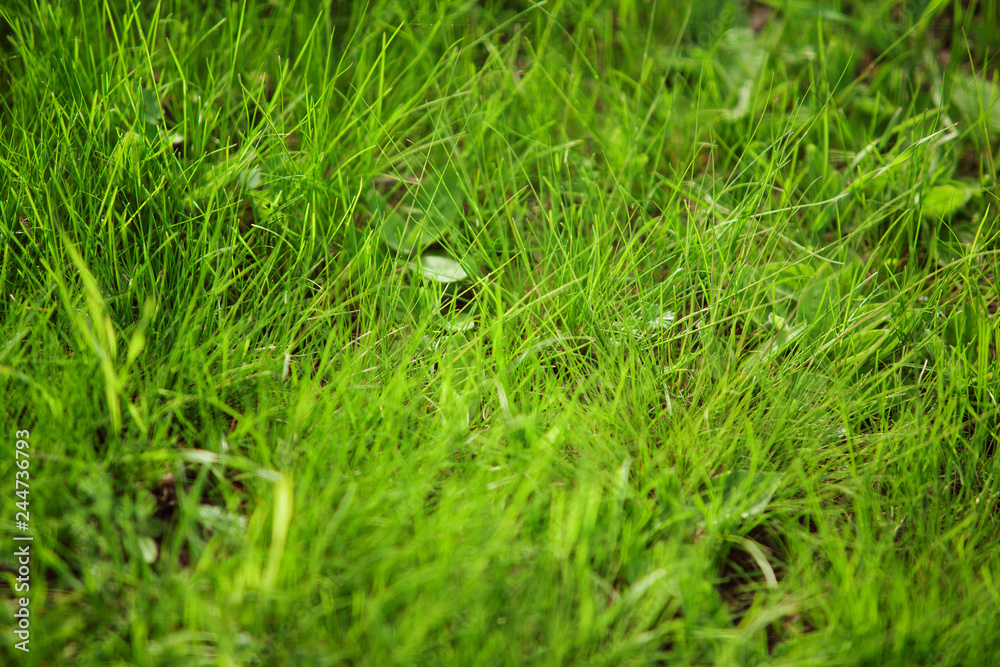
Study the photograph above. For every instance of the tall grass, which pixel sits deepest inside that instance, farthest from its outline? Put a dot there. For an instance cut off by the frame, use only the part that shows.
(502, 333)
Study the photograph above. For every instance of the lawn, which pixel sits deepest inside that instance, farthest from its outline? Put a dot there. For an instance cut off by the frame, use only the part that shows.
(499, 333)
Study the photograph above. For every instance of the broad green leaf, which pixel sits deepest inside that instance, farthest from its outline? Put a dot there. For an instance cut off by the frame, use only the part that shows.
(403, 234)
(944, 200)
(662, 321)
(782, 337)
(974, 96)
(424, 216)
(252, 178)
(460, 323)
(645, 322)
(151, 112)
(439, 200)
(439, 268)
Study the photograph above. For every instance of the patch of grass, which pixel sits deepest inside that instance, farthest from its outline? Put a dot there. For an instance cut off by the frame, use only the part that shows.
(502, 333)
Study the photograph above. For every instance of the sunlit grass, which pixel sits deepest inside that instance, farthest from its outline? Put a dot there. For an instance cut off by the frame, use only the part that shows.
(642, 333)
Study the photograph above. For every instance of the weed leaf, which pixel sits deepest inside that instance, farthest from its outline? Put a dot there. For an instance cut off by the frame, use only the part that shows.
(439, 268)
(941, 201)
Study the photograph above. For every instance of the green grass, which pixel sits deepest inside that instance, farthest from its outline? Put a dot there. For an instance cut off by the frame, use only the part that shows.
(499, 333)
